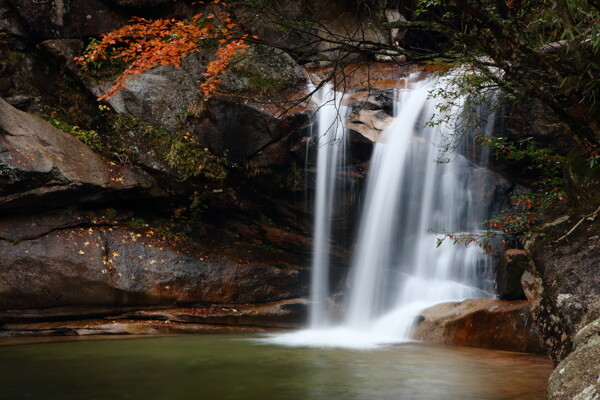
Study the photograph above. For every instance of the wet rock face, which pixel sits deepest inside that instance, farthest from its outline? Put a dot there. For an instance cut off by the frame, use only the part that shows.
(531, 119)
(47, 261)
(116, 268)
(513, 264)
(41, 163)
(480, 323)
(239, 132)
(493, 189)
(160, 320)
(139, 3)
(50, 263)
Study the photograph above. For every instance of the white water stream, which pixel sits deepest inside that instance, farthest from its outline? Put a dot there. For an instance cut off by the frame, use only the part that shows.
(409, 201)
(331, 143)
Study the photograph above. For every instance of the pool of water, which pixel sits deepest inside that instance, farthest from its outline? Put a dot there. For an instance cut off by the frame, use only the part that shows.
(239, 367)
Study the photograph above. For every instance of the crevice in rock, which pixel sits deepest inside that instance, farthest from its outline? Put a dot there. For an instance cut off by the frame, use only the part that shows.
(59, 229)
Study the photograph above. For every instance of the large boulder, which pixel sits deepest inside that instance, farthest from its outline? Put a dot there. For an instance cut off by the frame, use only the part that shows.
(480, 323)
(240, 131)
(261, 71)
(563, 281)
(114, 268)
(578, 375)
(41, 164)
(67, 18)
(238, 124)
(160, 96)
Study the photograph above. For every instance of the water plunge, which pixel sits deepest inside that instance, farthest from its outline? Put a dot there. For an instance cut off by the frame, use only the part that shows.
(410, 200)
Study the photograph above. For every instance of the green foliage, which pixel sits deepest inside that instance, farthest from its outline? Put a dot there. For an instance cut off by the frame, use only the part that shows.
(198, 204)
(484, 240)
(548, 193)
(265, 247)
(108, 68)
(231, 234)
(167, 234)
(180, 150)
(109, 213)
(546, 50)
(266, 220)
(263, 85)
(190, 160)
(135, 224)
(295, 179)
(539, 158)
(4, 33)
(594, 160)
(89, 137)
(91, 63)
(425, 6)
(530, 206)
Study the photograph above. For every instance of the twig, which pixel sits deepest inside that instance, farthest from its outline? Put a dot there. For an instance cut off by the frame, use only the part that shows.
(594, 214)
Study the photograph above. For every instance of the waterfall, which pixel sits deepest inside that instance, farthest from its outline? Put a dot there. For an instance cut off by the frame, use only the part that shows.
(410, 201)
(331, 141)
(399, 266)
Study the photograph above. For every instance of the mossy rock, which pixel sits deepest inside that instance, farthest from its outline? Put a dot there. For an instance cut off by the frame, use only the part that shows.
(261, 71)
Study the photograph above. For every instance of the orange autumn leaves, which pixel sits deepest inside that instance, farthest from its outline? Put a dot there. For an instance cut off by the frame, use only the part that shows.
(145, 44)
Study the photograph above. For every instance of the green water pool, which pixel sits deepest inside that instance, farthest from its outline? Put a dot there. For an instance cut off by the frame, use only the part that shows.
(237, 367)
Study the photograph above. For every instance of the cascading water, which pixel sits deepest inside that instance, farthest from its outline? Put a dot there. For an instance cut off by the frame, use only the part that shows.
(399, 267)
(331, 142)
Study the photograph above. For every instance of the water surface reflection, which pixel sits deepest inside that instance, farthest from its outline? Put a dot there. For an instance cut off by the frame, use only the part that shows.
(225, 367)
